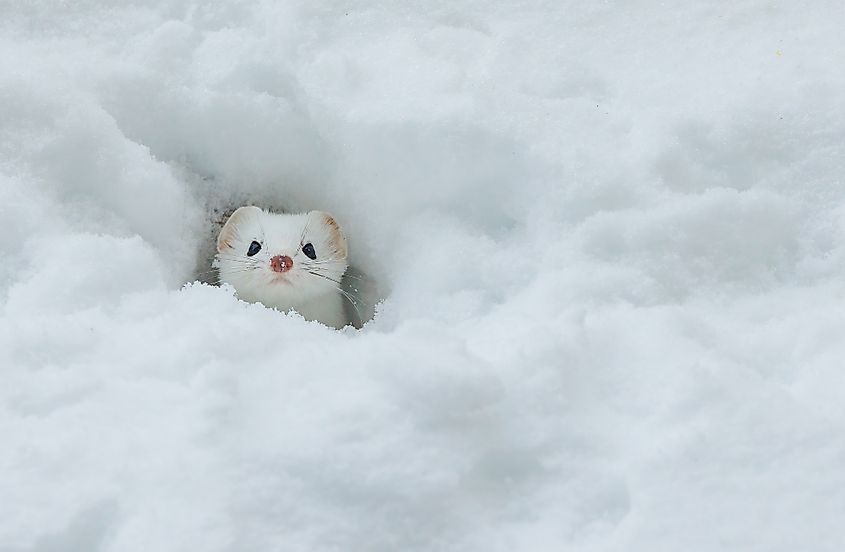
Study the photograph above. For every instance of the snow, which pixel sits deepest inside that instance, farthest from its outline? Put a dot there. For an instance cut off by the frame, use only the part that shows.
(610, 237)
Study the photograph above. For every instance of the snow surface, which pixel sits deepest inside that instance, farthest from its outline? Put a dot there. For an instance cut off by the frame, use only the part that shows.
(611, 237)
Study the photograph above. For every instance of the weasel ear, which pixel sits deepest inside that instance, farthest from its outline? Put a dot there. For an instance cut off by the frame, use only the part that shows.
(336, 237)
(230, 229)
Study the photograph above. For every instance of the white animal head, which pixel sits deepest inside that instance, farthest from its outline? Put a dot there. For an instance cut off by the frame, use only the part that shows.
(280, 260)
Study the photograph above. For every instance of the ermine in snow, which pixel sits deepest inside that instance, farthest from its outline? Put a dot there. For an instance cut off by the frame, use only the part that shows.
(285, 261)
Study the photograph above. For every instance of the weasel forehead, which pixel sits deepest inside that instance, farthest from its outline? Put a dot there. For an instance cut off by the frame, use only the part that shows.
(284, 224)
(283, 233)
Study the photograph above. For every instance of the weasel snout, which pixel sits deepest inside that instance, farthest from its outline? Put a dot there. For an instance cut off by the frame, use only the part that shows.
(281, 263)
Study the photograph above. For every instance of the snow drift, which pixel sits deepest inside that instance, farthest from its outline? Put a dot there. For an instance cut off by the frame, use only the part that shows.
(610, 238)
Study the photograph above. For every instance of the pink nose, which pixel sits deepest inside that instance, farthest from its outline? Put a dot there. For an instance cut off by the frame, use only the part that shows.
(281, 263)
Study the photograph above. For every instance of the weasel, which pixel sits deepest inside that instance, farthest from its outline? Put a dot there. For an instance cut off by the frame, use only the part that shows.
(285, 261)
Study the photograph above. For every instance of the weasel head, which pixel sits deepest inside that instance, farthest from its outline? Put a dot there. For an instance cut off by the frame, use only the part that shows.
(281, 260)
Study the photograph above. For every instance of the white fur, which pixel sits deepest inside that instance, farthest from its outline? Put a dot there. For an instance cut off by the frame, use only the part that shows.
(312, 296)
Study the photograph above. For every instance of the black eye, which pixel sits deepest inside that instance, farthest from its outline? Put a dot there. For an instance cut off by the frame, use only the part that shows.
(254, 248)
(308, 249)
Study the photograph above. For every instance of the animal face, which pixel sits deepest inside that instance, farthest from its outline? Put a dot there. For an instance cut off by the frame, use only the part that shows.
(281, 260)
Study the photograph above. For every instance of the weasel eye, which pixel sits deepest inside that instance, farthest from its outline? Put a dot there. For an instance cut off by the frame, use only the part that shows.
(308, 249)
(254, 248)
